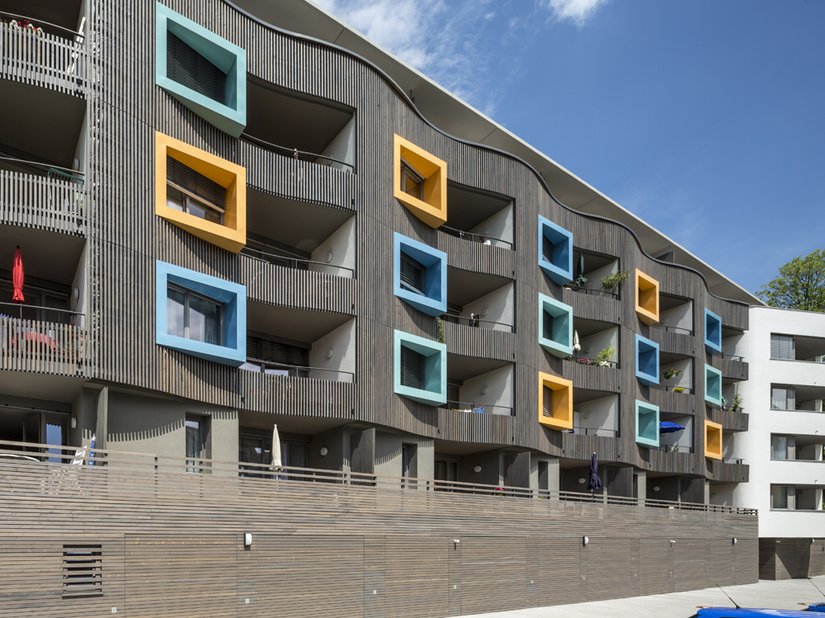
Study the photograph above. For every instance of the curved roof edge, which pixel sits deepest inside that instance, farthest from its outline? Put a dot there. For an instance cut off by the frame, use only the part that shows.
(448, 114)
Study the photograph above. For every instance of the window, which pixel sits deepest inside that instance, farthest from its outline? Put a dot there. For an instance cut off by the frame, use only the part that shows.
(555, 402)
(779, 496)
(192, 316)
(193, 193)
(647, 424)
(203, 71)
(713, 386)
(409, 463)
(189, 68)
(197, 431)
(202, 316)
(713, 332)
(420, 275)
(783, 397)
(647, 298)
(413, 368)
(782, 347)
(647, 361)
(713, 440)
(200, 193)
(420, 182)
(420, 369)
(276, 357)
(781, 447)
(555, 251)
(411, 182)
(555, 326)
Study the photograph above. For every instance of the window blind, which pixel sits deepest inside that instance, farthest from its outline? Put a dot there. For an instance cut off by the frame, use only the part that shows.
(412, 273)
(187, 67)
(413, 368)
(782, 347)
(195, 182)
(547, 401)
(276, 352)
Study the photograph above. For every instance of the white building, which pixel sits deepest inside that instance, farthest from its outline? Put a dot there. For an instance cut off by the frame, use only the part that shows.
(784, 445)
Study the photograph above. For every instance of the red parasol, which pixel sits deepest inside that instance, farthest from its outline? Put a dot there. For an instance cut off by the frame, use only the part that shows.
(18, 276)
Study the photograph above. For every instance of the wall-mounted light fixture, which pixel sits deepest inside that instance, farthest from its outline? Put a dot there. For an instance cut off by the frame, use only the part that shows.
(247, 540)
(484, 390)
(657, 488)
(330, 352)
(324, 451)
(582, 480)
(673, 541)
(74, 422)
(585, 541)
(476, 468)
(734, 541)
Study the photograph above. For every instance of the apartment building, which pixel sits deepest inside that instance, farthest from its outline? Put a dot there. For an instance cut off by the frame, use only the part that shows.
(786, 438)
(278, 319)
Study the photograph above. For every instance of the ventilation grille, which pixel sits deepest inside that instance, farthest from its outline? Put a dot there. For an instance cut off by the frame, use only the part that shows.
(82, 570)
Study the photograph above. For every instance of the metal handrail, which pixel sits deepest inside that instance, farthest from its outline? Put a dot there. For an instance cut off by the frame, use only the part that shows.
(665, 387)
(69, 315)
(77, 174)
(586, 290)
(29, 455)
(675, 448)
(476, 408)
(289, 258)
(733, 357)
(673, 329)
(73, 33)
(264, 364)
(295, 152)
(585, 431)
(472, 321)
(482, 238)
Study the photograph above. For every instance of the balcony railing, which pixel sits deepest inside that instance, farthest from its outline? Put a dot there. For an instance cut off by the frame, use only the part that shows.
(23, 311)
(484, 239)
(36, 26)
(593, 291)
(300, 155)
(685, 390)
(297, 371)
(39, 56)
(675, 448)
(33, 345)
(38, 200)
(476, 322)
(673, 329)
(289, 261)
(589, 360)
(478, 408)
(35, 469)
(595, 431)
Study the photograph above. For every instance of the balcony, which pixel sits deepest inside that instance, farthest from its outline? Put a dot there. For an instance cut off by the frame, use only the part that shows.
(45, 331)
(597, 342)
(797, 497)
(300, 127)
(797, 348)
(676, 373)
(733, 367)
(676, 441)
(480, 300)
(596, 274)
(43, 43)
(41, 163)
(797, 398)
(479, 216)
(809, 448)
(595, 413)
(479, 385)
(730, 420)
(727, 471)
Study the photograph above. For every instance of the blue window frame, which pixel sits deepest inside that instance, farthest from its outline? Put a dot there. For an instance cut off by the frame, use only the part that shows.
(647, 360)
(713, 332)
(420, 275)
(200, 315)
(555, 251)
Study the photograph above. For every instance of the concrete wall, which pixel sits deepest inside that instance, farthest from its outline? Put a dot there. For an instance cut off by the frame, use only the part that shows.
(337, 250)
(596, 342)
(493, 388)
(598, 414)
(685, 378)
(388, 455)
(497, 226)
(334, 352)
(496, 306)
(680, 316)
(342, 146)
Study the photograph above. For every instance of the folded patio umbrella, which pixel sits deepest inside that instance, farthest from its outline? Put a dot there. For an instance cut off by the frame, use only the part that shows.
(595, 483)
(18, 276)
(276, 448)
(668, 427)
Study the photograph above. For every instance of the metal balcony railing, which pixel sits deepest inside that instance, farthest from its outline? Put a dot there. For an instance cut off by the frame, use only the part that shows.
(478, 408)
(300, 155)
(592, 291)
(673, 329)
(484, 239)
(476, 322)
(34, 345)
(35, 26)
(581, 359)
(288, 261)
(297, 371)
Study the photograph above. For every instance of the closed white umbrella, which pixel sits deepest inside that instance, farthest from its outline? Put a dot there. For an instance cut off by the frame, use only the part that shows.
(276, 448)
(577, 347)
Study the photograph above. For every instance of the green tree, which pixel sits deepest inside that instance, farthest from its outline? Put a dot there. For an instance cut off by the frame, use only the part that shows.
(800, 284)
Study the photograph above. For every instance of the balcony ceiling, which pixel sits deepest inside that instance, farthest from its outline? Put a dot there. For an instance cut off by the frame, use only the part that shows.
(588, 327)
(39, 124)
(582, 395)
(668, 301)
(292, 324)
(467, 208)
(64, 13)
(302, 225)
(806, 347)
(464, 367)
(46, 255)
(464, 286)
(291, 121)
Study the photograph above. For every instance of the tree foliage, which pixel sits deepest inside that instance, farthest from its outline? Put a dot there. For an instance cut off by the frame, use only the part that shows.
(800, 284)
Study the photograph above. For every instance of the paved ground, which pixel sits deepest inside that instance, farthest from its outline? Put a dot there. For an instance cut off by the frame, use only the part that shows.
(786, 594)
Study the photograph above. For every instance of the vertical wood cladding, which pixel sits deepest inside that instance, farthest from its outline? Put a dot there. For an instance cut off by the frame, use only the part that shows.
(126, 238)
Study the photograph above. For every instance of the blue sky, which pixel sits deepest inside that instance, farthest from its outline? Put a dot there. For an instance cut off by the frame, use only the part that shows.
(704, 117)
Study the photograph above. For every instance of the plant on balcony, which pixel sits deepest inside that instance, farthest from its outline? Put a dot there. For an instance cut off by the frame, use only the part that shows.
(614, 280)
(439, 330)
(670, 373)
(603, 358)
(25, 24)
(736, 404)
(679, 389)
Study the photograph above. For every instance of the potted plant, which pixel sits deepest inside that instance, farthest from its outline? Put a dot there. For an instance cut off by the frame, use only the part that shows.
(614, 280)
(679, 389)
(736, 404)
(670, 373)
(602, 359)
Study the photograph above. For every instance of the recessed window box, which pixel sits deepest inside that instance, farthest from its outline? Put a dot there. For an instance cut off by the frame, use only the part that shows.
(555, 326)
(713, 440)
(713, 332)
(555, 402)
(555, 251)
(713, 386)
(647, 424)
(647, 298)
(647, 361)
(420, 275)
(420, 369)
(420, 182)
